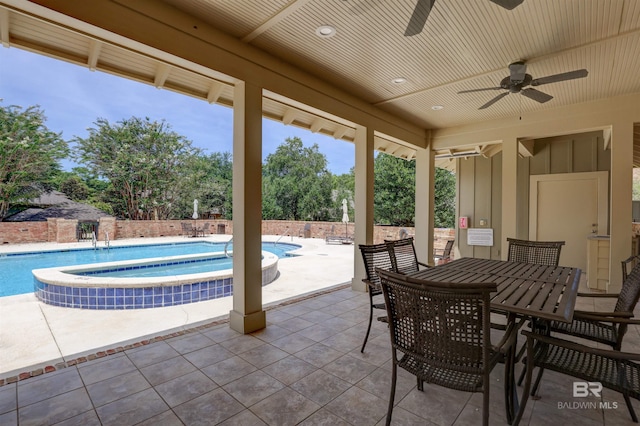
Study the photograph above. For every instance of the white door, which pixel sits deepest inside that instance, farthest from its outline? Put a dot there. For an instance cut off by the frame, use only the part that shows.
(569, 207)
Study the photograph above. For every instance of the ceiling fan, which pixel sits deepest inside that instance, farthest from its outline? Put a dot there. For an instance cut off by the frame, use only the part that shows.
(423, 8)
(518, 80)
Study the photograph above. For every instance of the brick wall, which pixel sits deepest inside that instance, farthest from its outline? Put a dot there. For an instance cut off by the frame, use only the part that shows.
(23, 232)
(64, 231)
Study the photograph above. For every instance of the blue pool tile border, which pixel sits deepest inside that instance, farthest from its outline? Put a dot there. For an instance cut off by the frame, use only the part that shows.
(133, 297)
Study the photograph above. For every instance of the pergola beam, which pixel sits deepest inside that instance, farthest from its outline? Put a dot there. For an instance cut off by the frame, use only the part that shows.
(4, 27)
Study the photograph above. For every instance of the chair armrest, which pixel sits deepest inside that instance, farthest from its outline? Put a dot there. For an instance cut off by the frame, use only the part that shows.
(509, 338)
(606, 318)
(609, 353)
(609, 314)
(599, 295)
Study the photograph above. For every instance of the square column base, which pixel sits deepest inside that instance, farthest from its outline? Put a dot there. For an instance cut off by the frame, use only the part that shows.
(246, 324)
(358, 285)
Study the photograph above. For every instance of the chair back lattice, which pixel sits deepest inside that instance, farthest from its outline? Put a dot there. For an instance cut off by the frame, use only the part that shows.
(630, 291)
(538, 252)
(443, 327)
(375, 256)
(629, 264)
(403, 253)
(447, 248)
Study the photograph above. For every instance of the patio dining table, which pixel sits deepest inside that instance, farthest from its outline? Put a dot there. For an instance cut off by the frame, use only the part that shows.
(524, 290)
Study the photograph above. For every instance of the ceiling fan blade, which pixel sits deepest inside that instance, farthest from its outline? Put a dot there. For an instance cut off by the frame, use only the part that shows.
(508, 4)
(536, 95)
(480, 90)
(419, 17)
(560, 77)
(494, 100)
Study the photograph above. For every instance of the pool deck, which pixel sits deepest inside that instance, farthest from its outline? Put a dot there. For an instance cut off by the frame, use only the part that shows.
(34, 335)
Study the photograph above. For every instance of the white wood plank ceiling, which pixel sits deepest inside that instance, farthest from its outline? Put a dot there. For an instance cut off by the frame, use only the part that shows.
(465, 44)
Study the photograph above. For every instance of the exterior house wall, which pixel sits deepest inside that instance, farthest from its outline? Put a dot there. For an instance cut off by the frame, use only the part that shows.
(479, 189)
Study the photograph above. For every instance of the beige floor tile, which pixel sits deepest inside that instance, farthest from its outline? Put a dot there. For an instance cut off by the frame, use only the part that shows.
(285, 407)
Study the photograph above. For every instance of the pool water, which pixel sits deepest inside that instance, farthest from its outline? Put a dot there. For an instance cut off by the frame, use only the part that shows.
(15, 268)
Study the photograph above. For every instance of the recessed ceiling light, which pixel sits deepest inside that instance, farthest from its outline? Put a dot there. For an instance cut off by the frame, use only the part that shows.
(437, 107)
(325, 31)
(399, 80)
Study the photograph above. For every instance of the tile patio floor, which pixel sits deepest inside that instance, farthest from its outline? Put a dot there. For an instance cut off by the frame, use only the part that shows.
(304, 368)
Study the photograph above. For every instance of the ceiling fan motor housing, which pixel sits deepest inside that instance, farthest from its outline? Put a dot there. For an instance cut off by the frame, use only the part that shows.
(515, 86)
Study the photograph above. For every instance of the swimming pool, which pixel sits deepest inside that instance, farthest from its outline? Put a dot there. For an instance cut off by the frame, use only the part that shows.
(15, 268)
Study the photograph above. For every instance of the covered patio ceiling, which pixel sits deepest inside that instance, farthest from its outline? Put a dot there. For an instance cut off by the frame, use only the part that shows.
(464, 45)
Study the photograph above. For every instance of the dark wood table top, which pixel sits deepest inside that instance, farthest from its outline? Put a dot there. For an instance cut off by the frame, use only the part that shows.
(547, 292)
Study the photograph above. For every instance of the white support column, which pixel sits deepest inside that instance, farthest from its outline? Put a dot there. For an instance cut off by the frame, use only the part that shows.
(363, 201)
(509, 192)
(425, 194)
(247, 314)
(620, 199)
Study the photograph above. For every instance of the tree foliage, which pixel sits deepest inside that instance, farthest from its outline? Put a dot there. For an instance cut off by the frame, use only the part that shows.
(296, 183)
(394, 190)
(445, 199)
(209, 180)
(29, 154)
(394, 193)
(145, 162)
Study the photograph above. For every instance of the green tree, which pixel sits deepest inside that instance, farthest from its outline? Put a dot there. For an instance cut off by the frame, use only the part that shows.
(445, 199)
(394, 193)
(29, 155)
(75, 188)
(144, 161)
(296, 183)
(209, 180)
(394, 190)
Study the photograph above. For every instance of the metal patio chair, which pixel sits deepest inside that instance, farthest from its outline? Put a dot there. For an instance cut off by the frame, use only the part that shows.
(403, 252)
(607, 328)
(440, 333)
(445, 254)
(615, 370)
(538, 252)
(374, 256)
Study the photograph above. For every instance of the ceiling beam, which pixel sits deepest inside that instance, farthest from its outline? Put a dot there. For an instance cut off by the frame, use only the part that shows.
(275, 19)
(215, 90)
(94, 53)
(162, 73)
(4, 27)
(289, 116)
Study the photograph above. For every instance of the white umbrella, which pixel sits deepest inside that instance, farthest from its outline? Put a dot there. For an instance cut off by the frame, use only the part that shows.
(345, 216)
(195, 209)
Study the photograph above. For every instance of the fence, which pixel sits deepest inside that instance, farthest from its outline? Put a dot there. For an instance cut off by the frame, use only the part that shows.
(66, 230)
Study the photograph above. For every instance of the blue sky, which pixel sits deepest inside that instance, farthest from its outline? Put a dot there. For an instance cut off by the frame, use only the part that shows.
(72, 98)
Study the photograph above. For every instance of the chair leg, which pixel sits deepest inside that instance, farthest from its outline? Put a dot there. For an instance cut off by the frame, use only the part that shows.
(392, 395)
(366, 337)
(537, 383)
(630, 408)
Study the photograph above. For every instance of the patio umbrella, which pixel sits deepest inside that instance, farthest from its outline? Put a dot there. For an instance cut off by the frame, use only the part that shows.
(195, 209)
(345, 216)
